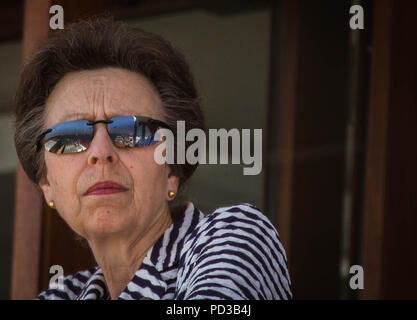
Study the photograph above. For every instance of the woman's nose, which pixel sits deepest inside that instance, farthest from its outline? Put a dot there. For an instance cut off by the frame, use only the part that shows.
(101, 150)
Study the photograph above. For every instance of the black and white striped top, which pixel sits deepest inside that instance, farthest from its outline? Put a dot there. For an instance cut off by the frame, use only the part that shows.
(233, 253)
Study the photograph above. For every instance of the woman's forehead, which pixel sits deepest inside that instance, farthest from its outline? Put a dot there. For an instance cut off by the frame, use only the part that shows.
(103, 93)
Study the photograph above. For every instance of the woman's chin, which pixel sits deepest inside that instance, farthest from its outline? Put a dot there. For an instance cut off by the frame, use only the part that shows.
(105, 224)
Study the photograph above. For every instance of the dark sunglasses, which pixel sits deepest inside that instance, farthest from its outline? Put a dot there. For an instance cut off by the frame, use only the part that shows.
(76, 136)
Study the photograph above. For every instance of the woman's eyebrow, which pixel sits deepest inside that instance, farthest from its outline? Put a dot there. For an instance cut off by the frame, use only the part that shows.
(75, 116)
(87, 116)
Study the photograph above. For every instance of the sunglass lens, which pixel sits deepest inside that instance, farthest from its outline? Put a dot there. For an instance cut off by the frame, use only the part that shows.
(144, 135)
(69, 137)
(122, 131)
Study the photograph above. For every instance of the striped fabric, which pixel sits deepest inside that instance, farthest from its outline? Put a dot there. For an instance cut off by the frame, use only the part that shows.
(233, 253)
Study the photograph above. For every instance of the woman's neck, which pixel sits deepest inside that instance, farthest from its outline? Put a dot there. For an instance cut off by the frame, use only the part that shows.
(121, 256)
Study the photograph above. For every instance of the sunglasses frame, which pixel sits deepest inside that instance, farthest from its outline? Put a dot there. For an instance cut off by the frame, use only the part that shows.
(152, 123)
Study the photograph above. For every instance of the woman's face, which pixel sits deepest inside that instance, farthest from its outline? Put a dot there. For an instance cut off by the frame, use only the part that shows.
(97, 95)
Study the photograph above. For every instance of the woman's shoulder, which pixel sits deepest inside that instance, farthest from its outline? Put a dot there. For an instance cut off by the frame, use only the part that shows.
(244, 220)
(239, 211)
(244, 216)
(237, 250)
(69, 287)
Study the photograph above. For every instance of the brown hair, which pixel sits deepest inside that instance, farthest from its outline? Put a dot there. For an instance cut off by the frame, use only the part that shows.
(98, 43)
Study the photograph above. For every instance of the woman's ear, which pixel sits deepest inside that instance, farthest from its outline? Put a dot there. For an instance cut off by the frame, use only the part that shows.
(172, 184)
(46, 188)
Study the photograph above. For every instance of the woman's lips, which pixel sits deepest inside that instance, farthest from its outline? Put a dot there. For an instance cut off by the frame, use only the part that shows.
(105, 187)
(104, 191)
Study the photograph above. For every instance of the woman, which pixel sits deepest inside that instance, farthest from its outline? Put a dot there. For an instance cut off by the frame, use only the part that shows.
(93, 96)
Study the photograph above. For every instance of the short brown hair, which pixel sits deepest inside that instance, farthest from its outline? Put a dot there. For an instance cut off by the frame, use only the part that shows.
(93, 44)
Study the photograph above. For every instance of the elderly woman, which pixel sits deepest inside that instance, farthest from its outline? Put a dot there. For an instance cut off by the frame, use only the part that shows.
(88, 106)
